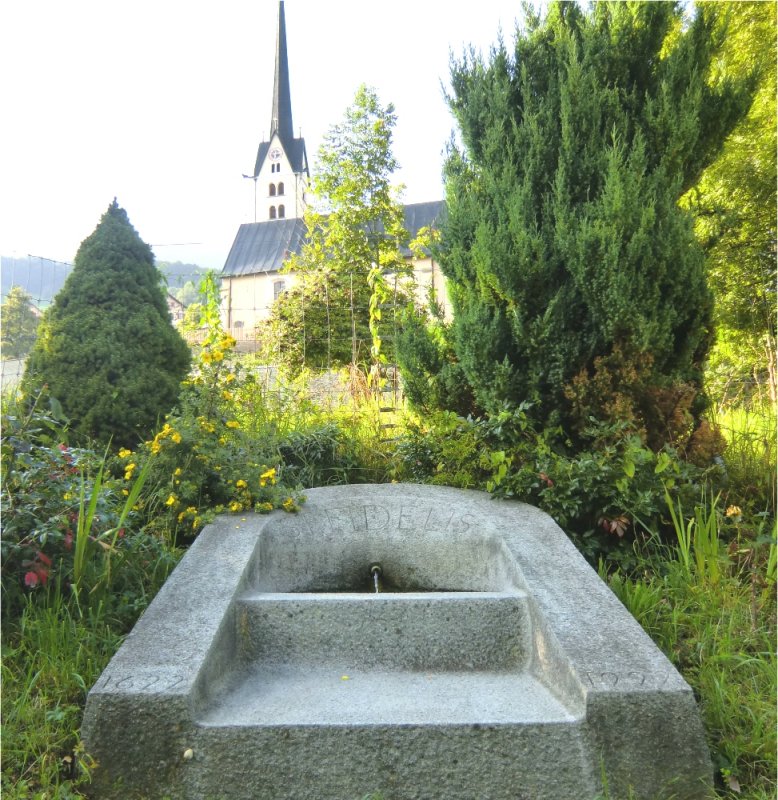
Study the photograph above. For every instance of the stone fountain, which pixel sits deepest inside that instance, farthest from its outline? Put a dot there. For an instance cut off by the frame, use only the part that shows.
(492, 662)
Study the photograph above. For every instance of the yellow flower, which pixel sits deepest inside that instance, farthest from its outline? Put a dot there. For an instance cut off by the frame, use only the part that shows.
(235, 506)
(125, 492)
(125, 453)
(734, 511)
(171, 501)
(229, 377)
(289, 505)
(217, 355)
(264, 508)
(176, 437)
(233, 424)
(177, 472)
(227, 395)
(207, 426)
(241, 484)
(268, 475)
(128, 470)
(67, 496)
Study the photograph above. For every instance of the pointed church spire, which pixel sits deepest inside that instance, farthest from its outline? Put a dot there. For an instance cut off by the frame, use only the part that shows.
(281, 119)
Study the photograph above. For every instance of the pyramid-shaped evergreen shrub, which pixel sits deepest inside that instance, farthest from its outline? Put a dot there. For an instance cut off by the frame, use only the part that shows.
(107, 349)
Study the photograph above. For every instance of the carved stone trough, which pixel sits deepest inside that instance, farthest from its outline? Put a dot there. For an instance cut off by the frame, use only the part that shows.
(493, 663)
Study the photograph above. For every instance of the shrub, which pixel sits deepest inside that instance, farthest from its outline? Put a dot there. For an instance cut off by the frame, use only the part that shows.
(67, 523)
(565, 244)
(106, 348)
(603, 496)
(204, 460)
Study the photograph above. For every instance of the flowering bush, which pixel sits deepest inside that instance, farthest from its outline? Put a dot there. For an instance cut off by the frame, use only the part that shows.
(60, 507)
(204, 462)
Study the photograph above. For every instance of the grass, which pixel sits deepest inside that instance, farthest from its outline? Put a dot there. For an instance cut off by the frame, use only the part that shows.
(751, 434)
(51, 657)
(712, 609)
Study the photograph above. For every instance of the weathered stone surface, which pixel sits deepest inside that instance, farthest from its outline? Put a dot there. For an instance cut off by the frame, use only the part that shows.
(495, 664)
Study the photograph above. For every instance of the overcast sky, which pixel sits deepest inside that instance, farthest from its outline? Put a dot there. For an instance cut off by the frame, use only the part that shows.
(162, 104)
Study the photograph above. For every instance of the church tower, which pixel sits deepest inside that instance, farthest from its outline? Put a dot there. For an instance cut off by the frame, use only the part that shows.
(281, 171)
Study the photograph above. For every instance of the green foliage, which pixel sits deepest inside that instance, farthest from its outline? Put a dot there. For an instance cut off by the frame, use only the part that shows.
(432, 377)
(598, 495)
(106, 348)
(66, 519)
(712, 610)
(751, 456)
(322, 322)
(335, 313)
(187, 294)
(19, 324)
(203, 459)
(734, 204)
(51, 659)
(565, 242)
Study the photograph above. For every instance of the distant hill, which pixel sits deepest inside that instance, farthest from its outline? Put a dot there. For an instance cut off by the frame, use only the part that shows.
(42, 278)
(177, 273)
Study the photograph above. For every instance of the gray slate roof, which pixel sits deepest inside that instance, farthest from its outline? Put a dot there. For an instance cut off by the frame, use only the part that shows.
(265, 246)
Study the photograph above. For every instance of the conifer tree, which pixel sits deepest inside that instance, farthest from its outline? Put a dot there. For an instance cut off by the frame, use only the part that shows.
(18, 324)
(576, 280)
(106, 348)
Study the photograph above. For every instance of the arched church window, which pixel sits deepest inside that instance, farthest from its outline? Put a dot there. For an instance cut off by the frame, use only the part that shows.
(272, 190)
(281, 212)
(281, 188)
(272, 212)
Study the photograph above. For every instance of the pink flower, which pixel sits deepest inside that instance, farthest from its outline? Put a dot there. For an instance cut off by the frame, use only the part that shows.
(31, 579)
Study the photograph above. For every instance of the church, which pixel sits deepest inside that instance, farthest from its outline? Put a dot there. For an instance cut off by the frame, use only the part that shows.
(251, 279)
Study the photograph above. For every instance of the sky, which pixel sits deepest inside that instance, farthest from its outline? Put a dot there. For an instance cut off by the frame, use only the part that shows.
(163, 103)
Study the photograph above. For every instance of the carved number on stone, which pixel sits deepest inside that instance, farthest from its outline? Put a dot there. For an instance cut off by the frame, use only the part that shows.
(136, 684)
(612, 679)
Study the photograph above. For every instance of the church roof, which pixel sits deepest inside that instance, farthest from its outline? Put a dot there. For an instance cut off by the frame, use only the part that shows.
(264, 246)
(421, 215)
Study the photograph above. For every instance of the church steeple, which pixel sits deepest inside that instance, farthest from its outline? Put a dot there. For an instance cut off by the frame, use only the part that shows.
(281, 118)
(281, 169)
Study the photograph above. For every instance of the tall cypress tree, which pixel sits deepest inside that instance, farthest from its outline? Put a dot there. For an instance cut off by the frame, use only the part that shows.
(107, 349)
(576, 280)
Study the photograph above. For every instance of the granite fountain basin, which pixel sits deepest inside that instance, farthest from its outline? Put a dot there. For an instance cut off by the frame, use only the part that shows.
(492, 662)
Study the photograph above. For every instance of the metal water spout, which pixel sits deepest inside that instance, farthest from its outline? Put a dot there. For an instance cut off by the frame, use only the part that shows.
(376, 572)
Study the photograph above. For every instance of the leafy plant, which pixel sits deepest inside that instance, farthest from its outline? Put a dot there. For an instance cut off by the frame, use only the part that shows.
(65, 517)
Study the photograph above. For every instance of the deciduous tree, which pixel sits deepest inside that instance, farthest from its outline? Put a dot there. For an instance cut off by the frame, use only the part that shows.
(735, 208)
(334, 314)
